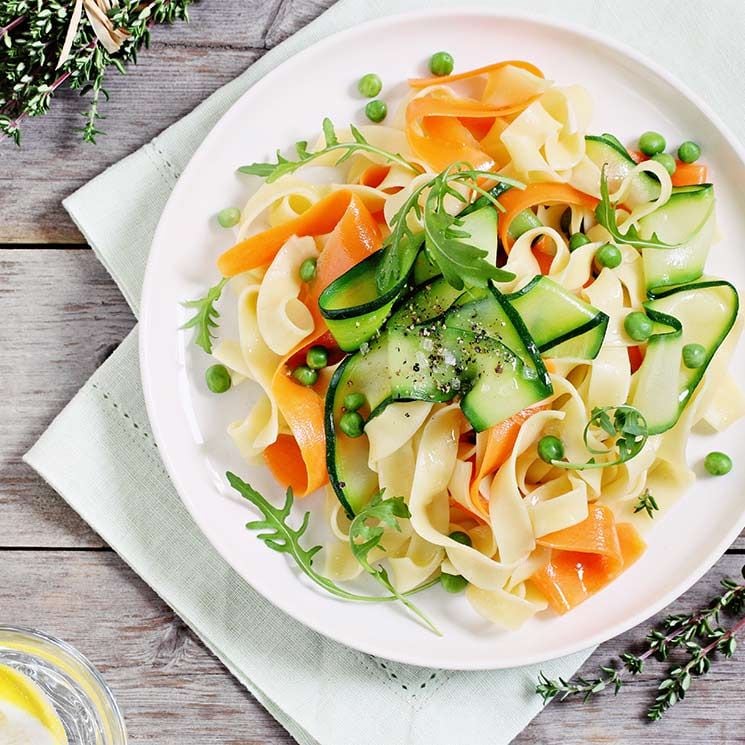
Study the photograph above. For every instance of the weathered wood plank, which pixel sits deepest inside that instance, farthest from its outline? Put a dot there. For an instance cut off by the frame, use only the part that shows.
(173, 691)
(186, 61)
(63, 316)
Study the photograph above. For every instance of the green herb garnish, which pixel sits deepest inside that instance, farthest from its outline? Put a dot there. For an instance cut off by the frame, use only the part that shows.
(280, 537)
(605, 214)
(646, 503)
(284, 166)
(204, 319)
(627, 425)
(697, 636)
(363, 538)
(33, 66)
(445, 242)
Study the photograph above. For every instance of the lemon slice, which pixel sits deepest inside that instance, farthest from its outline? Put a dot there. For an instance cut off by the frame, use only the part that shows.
(27, 716)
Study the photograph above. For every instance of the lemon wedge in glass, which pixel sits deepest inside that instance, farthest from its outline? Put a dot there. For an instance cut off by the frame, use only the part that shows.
(27, 717)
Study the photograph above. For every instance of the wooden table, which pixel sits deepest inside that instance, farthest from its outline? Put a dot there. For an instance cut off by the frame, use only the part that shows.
(62, 315)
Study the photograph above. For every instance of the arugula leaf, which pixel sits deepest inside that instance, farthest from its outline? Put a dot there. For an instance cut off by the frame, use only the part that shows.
(445, 241)
(647, 503)
(204, 319)
(282, 538)
(283, 166)
(363, 538)
(605, 214)
(628, 426)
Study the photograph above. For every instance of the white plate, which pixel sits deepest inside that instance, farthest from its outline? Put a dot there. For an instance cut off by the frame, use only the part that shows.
(630, 95)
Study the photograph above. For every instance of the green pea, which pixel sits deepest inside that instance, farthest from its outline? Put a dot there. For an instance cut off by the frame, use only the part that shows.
(317, 358)
(689, 152)
(577, 240)
(609, 256)
(550, 448)
(441, 63)
(308, 270)
(460, 537)
(652, 143)
(352, 424)
(718, 464)
(454, 583)
(376, 110)
(694, 355)
(229, 217)
(370, 85)
(638, 326)
(667, 161)
(304, 375)
(523, 222)
(354, 401)
(218, 378)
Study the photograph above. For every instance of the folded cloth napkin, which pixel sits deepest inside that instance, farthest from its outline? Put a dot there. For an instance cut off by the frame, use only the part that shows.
(100, 456)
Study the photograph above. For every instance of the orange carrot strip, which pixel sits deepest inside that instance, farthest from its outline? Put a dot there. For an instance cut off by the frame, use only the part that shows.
(285, 461)
(445, 80)
(479, 128)
(436, 135)
(374, 175)
(499, 442)
(689, 174)
(516, 200)
(354, 237)
(302, 408)
(260, 249)
(596, 534)
(570, 577)
(542, 256)
(302, 463)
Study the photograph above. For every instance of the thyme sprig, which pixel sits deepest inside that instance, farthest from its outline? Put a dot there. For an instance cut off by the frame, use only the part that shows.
(275, 531)
(699, 636)
(32, 35)
(284, 166)
(646, 503)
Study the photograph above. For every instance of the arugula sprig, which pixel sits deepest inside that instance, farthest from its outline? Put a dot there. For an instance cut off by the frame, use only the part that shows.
(605, 214)
(284, 166)
(646, 503)
(279, 536)
(627, 426)
(364, 537)
(204, 320)
(445, 240)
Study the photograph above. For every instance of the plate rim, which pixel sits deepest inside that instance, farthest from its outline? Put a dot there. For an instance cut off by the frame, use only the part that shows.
(148, 303)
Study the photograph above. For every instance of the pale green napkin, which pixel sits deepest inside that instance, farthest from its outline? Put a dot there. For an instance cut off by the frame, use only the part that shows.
(100, 456)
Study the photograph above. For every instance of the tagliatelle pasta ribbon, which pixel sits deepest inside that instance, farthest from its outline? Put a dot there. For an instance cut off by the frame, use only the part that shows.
(300, 460)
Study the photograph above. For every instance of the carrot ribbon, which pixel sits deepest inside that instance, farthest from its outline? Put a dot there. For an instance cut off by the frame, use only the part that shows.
(586, 557)
(516, 200)
(299, 460)
(443, 129)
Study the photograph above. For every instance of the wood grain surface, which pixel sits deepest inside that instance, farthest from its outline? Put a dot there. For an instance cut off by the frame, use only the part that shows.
(62, 315)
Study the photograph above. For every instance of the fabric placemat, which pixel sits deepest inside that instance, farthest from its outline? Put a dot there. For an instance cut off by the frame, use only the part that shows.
(99, 453)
